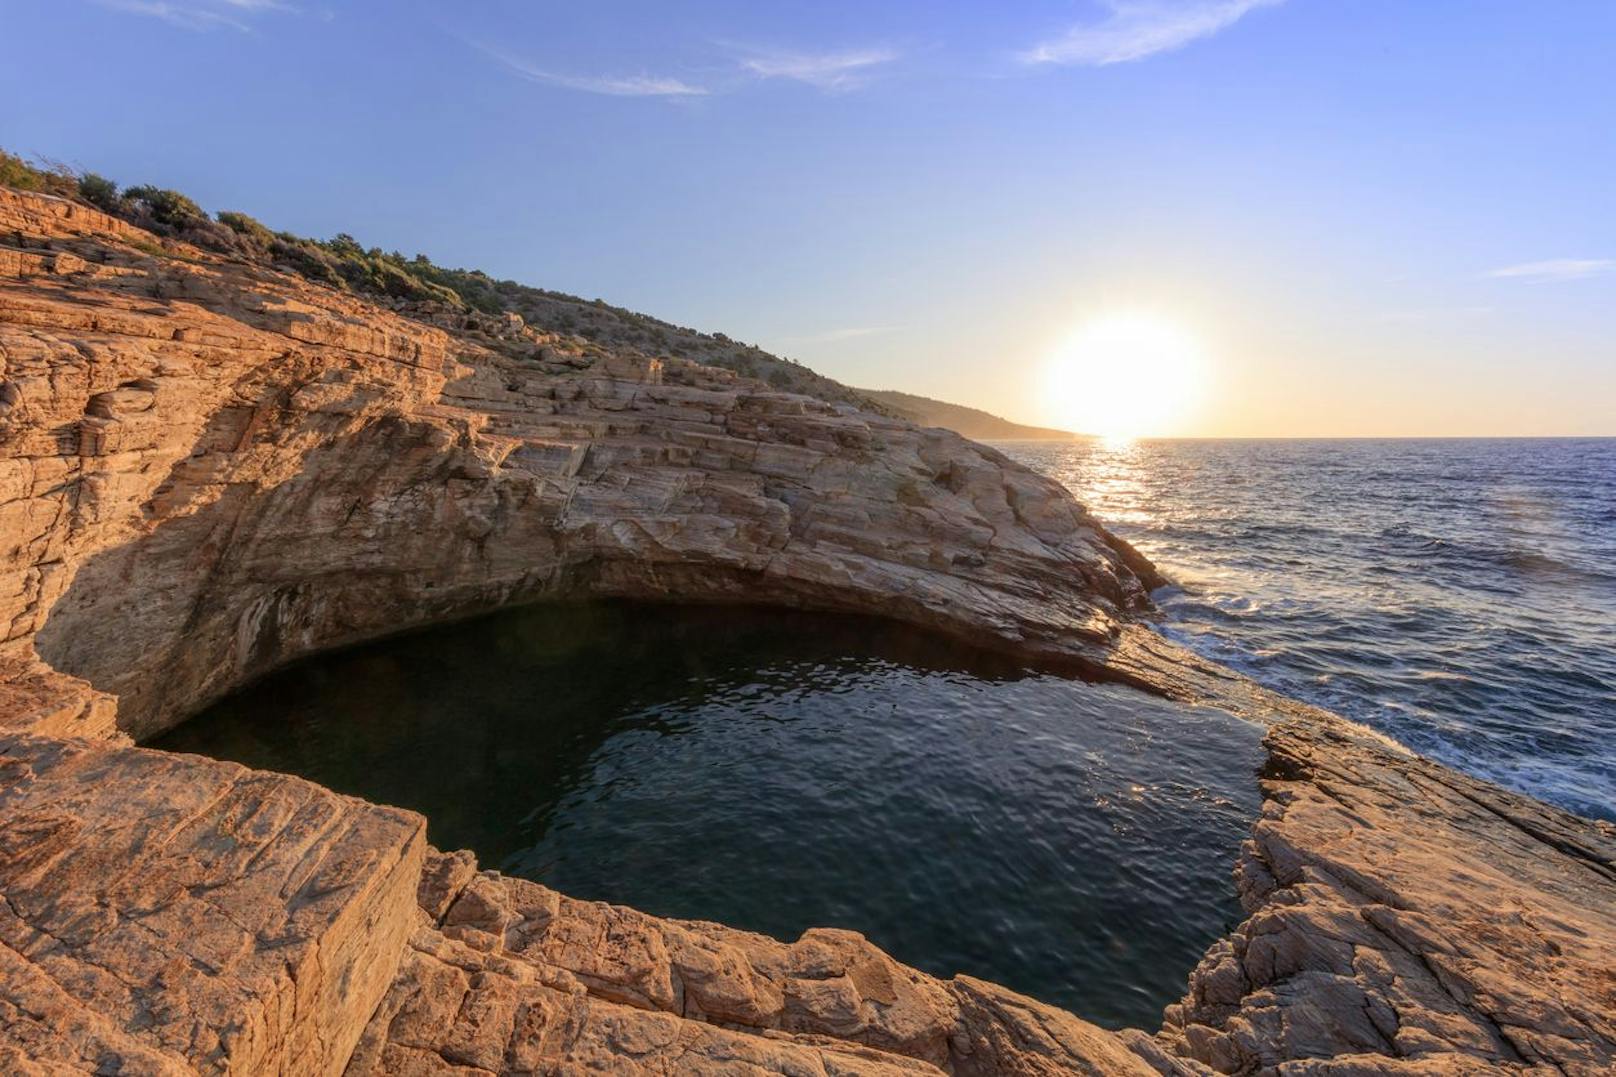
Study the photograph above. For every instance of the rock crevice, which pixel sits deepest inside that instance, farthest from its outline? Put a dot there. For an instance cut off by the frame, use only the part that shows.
(1403, 911)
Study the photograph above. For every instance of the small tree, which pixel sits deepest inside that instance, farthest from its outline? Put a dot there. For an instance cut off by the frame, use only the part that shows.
(345, 246)
(100, 192)
(243, 225)
(168, 208)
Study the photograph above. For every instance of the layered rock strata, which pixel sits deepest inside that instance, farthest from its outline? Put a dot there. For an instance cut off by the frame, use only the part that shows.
(167, 914)
(505, 975)
(208, 468)
(212, 468)
(1402, 911)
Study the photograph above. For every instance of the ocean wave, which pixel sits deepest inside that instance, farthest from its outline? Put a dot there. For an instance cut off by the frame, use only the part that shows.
(1457, 596)
(1519, 560)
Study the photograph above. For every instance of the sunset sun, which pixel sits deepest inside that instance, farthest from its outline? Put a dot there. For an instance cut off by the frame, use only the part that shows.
(1125, 375)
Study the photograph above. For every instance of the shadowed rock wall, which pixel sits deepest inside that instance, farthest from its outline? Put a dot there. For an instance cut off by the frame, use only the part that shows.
(216, 468)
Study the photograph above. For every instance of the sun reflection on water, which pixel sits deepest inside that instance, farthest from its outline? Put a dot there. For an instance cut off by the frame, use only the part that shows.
(1449, 593)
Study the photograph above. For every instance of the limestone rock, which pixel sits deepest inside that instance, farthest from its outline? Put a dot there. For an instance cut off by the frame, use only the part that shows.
(167, 914)
(1400, 909)
(506, 969)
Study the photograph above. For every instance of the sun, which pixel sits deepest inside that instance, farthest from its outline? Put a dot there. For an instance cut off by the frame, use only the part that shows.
(1125, 375)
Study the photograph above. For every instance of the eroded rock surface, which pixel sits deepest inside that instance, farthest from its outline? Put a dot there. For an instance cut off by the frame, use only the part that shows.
(505, 975)
(167, 914)
(1401, 909)
(210, 468)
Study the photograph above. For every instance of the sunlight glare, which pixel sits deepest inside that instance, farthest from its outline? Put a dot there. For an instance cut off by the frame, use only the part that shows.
(1124, 376)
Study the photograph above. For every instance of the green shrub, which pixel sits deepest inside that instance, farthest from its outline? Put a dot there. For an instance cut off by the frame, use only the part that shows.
(45, 177)
(14, 172)
(344, 246)
(100, 192)
(247, 227)
(308, 259)
(168, 208)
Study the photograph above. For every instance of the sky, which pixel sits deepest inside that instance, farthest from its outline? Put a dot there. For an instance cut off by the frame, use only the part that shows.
(1367, 217)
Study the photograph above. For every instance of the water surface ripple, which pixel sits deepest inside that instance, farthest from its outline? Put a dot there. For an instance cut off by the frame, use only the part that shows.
(1458, 595)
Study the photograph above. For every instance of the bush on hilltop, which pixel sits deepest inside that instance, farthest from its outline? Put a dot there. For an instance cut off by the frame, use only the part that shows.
(46, 177)
(169, 209)
(100, 192)
(343, 263)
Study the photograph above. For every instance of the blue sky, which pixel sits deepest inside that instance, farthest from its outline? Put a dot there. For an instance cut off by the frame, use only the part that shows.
(1376, 216)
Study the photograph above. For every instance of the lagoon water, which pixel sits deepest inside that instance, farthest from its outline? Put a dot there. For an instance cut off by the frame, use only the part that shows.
(1458, 595)
(777, 771)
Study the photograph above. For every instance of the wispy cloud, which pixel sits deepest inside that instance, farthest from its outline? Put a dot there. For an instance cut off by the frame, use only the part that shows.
(833, 71)
(1135, 29)
(1556, 269)
(640, 85)
(199, 14)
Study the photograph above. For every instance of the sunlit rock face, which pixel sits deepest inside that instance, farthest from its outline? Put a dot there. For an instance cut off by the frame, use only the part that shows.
(169, 914)
(212, 468)
(506, 950)
(208, 468)
(1400, 910)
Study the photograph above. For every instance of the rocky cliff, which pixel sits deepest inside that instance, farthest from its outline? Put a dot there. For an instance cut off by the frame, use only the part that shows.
(209, 467)
(216, 467)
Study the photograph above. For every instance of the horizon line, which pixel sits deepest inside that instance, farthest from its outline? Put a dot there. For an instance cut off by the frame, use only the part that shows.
(1310, 437)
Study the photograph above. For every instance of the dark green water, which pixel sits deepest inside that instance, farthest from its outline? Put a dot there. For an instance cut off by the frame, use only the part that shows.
(777, 771)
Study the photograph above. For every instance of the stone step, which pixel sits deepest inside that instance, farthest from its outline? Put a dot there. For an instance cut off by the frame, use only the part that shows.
(170, 913)
(506, 974)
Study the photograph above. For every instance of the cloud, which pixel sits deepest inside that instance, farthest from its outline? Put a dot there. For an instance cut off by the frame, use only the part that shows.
(198, 14)
(1135, 29)
(833, 71)
(641, 85)
(1556, 269)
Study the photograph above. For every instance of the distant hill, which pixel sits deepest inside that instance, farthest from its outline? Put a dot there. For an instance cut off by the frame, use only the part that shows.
(968, 422)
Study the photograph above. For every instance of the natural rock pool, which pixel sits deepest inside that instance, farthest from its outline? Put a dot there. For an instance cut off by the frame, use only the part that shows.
(777, 771)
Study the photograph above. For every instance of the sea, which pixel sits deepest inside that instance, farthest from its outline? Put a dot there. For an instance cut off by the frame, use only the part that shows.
(1458, 595)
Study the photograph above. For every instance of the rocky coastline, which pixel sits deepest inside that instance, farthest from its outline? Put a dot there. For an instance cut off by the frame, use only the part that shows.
(212, 467)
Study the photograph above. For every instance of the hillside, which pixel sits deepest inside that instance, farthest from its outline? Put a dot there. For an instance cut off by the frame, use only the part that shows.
(418, 287)
(967, 422)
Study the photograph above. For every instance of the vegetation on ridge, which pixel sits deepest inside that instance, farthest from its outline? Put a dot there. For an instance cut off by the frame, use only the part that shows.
(342, 262)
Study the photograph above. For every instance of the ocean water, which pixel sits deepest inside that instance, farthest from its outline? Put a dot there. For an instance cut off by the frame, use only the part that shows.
(1458, 595)
(777, 771)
